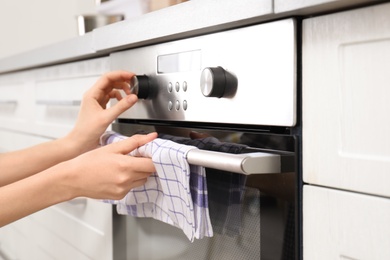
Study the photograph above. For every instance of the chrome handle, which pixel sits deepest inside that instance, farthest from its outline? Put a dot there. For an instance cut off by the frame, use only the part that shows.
(8, 102)
(247, 163)
(59, 102)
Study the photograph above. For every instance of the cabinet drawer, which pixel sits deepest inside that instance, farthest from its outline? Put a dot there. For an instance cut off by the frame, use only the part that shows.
(77, 229)
(57, 104)
(82, 224)
(16, 101)
(345, 225)
(11, 141)
(55, 233)
(58, 94)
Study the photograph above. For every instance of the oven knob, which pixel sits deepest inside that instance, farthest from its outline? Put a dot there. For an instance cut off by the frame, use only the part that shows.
(140, 86)
(217, 82)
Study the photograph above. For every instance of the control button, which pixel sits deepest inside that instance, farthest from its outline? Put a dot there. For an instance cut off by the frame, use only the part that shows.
(170, 87)
(185, 104)
(140, 85)
(217, 82)
(170, 105)
(177, 105)
(177, 86)
(185, 86)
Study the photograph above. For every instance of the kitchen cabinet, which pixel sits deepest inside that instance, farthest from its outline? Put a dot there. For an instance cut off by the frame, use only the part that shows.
(346, 92)
(37, 106)
(45, 101)
(346, 145)
(16, 90)
(58, 91)
(345, 225)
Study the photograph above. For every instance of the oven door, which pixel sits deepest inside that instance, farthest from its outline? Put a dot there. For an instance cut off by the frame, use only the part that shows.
(260, 225)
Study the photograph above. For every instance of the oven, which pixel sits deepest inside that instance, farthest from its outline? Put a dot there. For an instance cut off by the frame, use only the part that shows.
(236, 88)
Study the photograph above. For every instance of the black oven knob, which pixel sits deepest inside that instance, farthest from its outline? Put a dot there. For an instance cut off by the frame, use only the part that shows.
(217, 82)
(140, 86)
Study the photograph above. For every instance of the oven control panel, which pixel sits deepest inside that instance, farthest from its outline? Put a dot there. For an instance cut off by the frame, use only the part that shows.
(240, 76)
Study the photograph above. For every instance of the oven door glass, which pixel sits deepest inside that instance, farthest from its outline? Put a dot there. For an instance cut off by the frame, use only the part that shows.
(253, 216)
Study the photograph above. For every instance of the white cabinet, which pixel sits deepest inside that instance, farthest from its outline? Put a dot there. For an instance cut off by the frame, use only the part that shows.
(16, 100)
(38, 106)
(46, 101)
(77, 229)
(58, 91)
(345, 225)
(346, 126)
(346, 100)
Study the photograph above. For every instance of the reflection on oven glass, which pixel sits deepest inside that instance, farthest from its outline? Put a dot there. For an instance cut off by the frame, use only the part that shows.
(253, 217)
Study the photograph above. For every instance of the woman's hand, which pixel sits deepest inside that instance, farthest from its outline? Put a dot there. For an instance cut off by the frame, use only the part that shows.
(104, 173)
(94, 117)
(108, 172)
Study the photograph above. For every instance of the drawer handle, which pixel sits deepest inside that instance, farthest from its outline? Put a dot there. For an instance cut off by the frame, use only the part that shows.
(59, 102)
(8, 102)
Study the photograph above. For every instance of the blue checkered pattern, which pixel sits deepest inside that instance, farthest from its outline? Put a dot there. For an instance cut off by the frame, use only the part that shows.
(176, 194)
(225, 189)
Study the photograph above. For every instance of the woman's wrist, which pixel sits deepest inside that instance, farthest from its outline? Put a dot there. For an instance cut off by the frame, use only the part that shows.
(61, 178)
(76, 144)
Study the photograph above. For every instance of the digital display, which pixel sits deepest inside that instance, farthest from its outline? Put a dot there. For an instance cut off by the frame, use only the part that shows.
(179, 62)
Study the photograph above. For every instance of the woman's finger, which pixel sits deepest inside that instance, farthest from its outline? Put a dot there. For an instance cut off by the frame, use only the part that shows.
(138, 183)
(114, 79)
(142, 165)
(129, 144)
(120, 107)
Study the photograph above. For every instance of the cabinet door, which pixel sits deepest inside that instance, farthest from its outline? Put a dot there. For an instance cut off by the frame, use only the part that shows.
(345, 225)
(58, 94)
(76, 229)
(346, 100)
(11, 140)
(16, 101)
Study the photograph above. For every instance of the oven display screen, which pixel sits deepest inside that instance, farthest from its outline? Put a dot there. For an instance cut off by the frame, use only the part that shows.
(179, 62)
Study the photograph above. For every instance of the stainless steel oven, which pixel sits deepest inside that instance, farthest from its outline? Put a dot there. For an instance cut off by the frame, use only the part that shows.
(238, 88)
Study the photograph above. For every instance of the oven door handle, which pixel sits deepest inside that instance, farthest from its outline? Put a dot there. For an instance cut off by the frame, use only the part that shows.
(245, 163)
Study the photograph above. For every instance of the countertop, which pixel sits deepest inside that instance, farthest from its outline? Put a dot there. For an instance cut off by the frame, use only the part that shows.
(188, 19)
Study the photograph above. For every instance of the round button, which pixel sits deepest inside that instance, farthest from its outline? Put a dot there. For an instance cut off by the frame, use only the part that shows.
(140, 85)
(170, 87)
(185, 86)
(213, 82)
(177, 86)
(177, 104)
(170, 105)
(185, 105)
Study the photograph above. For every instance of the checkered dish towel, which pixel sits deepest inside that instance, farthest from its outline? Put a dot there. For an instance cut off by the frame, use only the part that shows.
(176, 194)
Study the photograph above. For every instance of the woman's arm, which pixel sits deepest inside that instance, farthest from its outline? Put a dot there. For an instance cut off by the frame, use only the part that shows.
(38, 177)
(104, 173)
(93, 120)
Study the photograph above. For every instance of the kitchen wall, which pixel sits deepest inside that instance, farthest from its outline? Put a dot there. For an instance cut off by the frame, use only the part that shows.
(26, 25)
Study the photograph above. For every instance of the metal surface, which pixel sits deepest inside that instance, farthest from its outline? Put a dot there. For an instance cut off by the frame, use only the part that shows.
(262, 58)
(260, 62)
(248, 163)
(87, 23)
